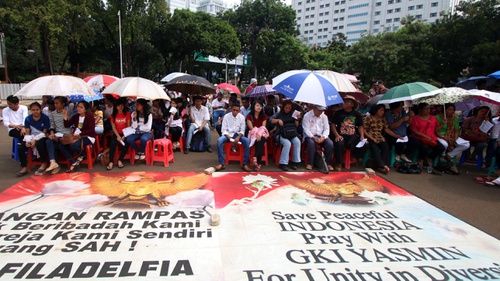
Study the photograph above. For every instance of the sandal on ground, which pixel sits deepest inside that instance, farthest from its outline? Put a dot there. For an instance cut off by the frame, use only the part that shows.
(55, 170)
(110, 166)
(120, 164)
(387, 169)
(52, 167)
(257, 168)
(219, 167)
(21, 174)
(489, 179)
(254, 161)
(479, 180)
(491, 184)
(382, 170)
(40, 172)
(75, 166)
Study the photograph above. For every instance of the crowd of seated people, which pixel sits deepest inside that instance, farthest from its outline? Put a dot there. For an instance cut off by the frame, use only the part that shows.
(425, 134)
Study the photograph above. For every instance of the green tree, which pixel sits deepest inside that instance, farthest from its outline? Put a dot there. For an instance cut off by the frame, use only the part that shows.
(332, 57)
(254, 22)
(395, 57)
(187, 33)
(469, 38)
(139, 21)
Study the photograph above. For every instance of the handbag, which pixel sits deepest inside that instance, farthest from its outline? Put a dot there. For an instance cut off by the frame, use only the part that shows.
(474, 136)
(69, 139)
(289, 131)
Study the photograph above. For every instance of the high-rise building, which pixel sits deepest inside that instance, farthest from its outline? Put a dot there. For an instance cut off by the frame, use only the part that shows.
(208, 6)
(319, 20)
(212, 6)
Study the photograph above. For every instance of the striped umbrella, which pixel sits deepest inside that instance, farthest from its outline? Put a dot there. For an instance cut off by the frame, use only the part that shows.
(307, 86)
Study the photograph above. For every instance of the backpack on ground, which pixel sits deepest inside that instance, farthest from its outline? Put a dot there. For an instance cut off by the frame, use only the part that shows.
(409, 168)
(198, 142)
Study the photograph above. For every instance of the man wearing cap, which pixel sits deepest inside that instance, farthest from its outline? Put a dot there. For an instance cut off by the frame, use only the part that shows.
(199, 117)
(316, 131)
(253, 83)
(347, 129)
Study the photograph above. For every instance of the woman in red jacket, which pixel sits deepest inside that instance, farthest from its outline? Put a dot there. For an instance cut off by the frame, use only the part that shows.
(83, 125)
(423, 128)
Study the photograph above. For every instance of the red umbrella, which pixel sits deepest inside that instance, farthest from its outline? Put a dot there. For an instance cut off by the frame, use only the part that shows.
(230, 88)
(96, 82)
(359, 96)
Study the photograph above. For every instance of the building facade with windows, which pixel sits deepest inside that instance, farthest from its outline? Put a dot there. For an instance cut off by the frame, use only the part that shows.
(208, 6)
(319, 20)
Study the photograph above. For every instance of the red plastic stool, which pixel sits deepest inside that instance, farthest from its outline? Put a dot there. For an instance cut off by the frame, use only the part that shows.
(347, 159)
(233, 156)
(31, 159)
(164, 153)
(89, 156)
(181, 142)
(148, 151)
(106, 140)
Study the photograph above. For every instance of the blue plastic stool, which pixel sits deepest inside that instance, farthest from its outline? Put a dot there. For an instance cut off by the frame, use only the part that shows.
(14, 153)
(479, 161)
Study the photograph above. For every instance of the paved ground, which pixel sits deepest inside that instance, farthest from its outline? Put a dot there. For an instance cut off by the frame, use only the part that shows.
(457, 195)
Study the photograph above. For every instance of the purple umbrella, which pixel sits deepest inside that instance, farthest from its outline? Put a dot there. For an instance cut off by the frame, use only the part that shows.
(261, 91)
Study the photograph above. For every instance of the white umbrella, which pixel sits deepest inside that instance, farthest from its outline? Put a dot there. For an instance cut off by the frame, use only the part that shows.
(341, 83)
(137, 87)
(172, 76)
(56, 85)
(487, 96)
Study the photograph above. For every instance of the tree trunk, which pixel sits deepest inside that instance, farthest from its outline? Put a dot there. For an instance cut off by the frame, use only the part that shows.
(46, 49)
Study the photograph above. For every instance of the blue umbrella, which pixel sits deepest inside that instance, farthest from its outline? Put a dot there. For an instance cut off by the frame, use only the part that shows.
(307, 86)
(77, 98)
(470, 83)
(495, 74)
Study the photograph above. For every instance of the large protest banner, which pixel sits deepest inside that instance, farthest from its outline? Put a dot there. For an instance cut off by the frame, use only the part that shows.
(273, 226)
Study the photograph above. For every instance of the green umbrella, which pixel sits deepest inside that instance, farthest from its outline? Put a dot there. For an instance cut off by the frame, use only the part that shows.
(409, 92)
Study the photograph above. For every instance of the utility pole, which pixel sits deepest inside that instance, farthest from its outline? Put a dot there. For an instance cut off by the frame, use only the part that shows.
(121, 52)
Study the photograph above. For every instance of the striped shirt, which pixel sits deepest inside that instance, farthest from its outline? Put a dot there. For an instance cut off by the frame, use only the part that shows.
(57, 123)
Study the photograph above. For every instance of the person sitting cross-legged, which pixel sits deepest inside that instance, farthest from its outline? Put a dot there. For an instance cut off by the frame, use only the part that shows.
(316, 132)
(233, 130)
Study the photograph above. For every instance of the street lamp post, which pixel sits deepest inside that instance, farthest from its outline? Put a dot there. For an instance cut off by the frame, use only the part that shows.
(31, 51)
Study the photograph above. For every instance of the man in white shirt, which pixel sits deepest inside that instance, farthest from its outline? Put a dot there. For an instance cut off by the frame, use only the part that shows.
(316, 132)
(218, 106)
(199, 121)
(14, 116)
(233, 130)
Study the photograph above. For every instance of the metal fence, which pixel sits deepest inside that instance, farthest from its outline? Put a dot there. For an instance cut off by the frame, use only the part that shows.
(10, 89)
